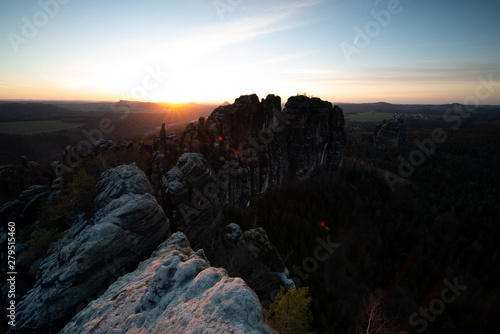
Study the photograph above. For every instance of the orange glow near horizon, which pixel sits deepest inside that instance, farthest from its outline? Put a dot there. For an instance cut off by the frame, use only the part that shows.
(218, 86)
(362, 92)
(178, 52)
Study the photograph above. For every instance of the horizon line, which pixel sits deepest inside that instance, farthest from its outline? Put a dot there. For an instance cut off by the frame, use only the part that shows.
(220, 103)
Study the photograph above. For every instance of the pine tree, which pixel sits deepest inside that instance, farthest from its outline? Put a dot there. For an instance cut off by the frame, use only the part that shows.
(291, 311)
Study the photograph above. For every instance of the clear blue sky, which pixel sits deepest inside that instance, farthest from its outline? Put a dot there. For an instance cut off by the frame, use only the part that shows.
(205, 50)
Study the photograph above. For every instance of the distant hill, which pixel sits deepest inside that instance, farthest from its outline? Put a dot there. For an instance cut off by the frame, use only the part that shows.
(425, 109)
(125, 118)
(17, 112)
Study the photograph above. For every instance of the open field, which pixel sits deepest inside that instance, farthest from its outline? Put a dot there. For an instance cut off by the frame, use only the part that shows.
(370, 116)
(34, 127)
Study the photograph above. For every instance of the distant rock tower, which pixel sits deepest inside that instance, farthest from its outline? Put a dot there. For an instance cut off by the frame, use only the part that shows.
(390, 134)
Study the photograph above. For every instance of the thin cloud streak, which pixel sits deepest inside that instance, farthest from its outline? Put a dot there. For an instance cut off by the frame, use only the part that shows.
(183, 51)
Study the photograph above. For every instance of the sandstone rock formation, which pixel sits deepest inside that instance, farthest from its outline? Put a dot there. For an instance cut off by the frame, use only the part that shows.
(190, 198)
(390, 134)
(256, 242)
(24, 209)
(252, 144)
(175, 291)
(16, 178)
(233, 233)
(251, 256)
(127, 225)
(73, 156)
(119, 181)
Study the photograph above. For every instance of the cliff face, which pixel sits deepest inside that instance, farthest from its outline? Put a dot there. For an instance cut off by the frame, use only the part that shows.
(252, 144)
(174, 291)
(190, 198)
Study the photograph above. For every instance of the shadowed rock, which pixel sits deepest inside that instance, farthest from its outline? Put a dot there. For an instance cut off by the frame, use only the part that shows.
(390, 134)
(252, 144)
(190, 198)
(258, 244)
(128, 223)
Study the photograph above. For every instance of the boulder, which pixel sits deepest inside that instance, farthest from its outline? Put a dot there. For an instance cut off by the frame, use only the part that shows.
(174, 291)
(115, 182)
(233, 233)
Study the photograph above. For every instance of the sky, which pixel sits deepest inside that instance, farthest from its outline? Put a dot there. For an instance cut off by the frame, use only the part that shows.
(397, 51)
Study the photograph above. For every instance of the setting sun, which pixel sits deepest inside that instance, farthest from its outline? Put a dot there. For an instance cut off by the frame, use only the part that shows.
(213, 53)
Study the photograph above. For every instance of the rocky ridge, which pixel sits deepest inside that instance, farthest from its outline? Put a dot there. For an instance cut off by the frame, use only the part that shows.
(190, 198)
(227, 159)
(174, 291)
(127, 224)
(252, 144)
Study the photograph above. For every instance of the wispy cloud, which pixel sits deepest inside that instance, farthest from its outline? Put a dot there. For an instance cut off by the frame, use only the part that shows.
(274, 60)
(201, 46)
(209, 39)
(6, 87)
(431, 72)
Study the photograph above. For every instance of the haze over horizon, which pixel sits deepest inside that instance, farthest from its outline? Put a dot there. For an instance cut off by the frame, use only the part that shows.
(213, 51)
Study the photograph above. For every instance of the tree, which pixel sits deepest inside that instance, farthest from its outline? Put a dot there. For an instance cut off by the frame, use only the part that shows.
(373, 318)
(291, 311)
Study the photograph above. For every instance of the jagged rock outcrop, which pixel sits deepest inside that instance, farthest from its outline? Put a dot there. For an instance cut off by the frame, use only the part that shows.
(251, 256)
(127, 225)
(32, 172)
(256, 242)
(119, 181)
(390, 134)
(14, 179)
(251, 144)
(73, 156)
(24, 210)
(175, 291)
(233, 233)
(190, 198)
(11, 183)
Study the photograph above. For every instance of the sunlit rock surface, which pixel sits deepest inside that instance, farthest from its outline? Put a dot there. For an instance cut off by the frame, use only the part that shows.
(175, 291)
